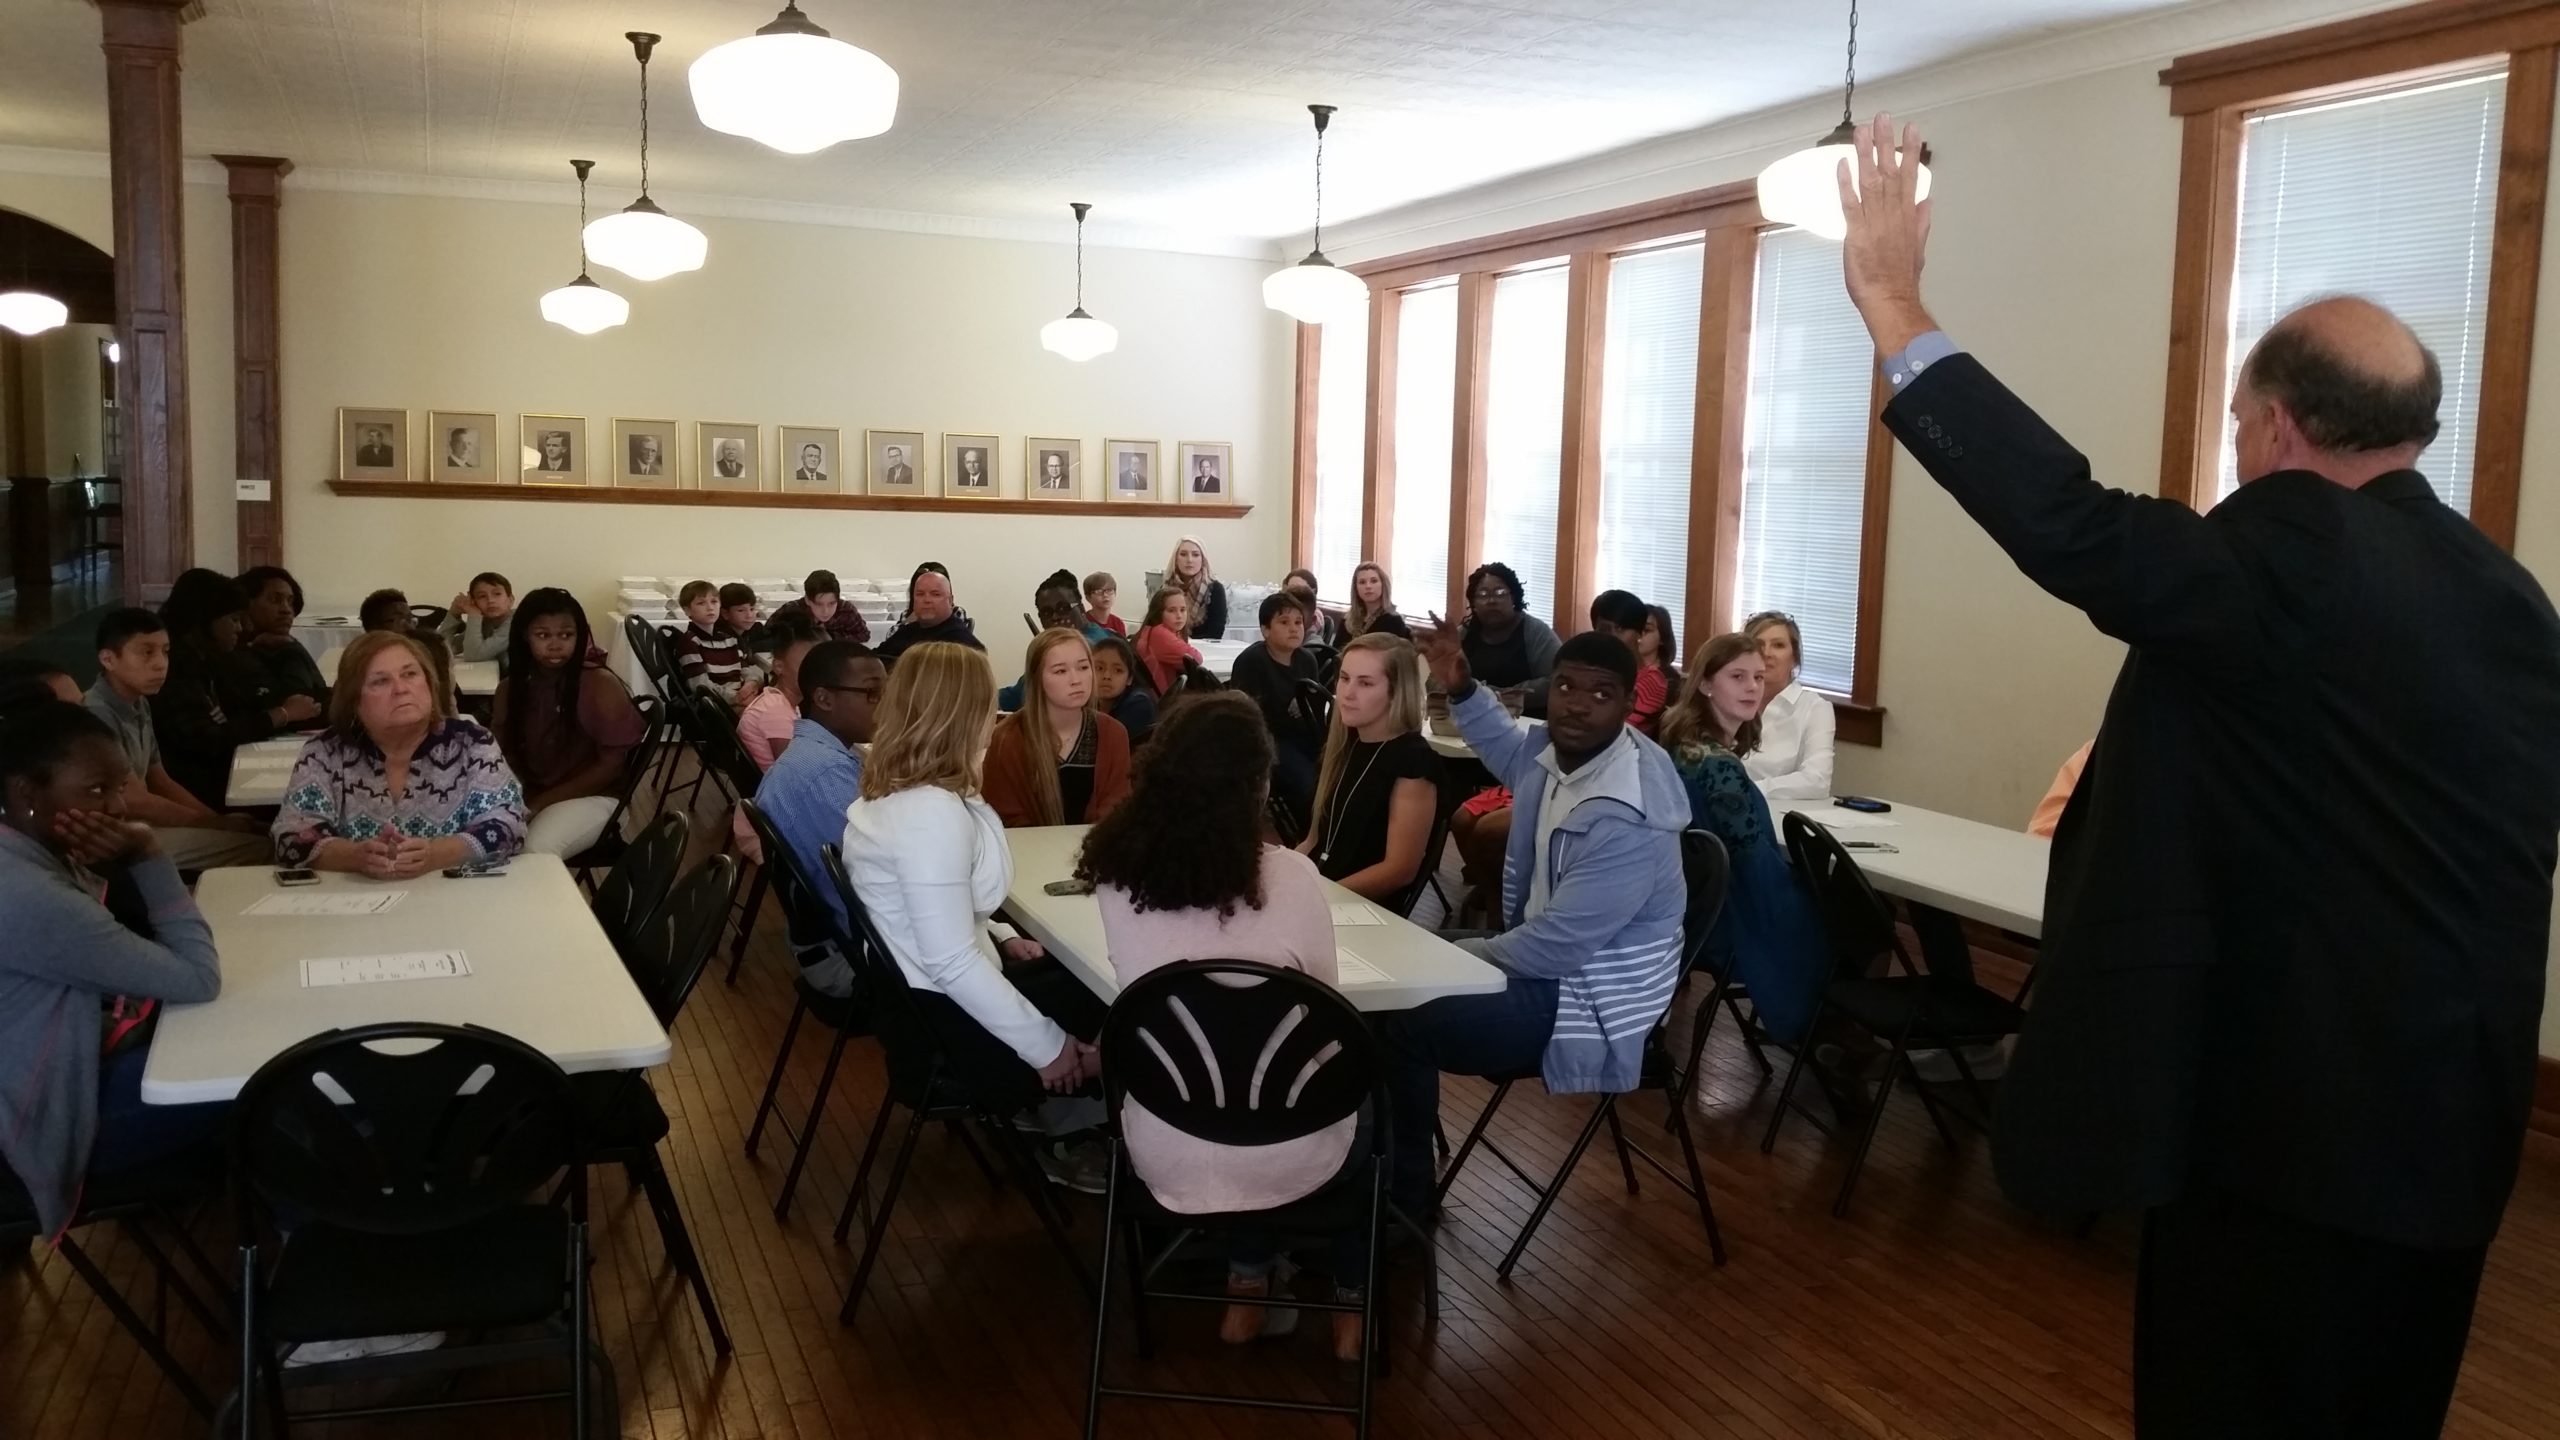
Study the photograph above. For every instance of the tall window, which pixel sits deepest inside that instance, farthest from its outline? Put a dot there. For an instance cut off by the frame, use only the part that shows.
(1342, 410)
(1804, 464)
(1524, 427)
(2393, 197)
(1426, 407)
(1648, 414)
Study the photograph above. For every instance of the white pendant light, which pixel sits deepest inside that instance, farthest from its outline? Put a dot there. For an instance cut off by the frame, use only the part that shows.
(641, 240)
(30, 313)
(1803, 189)
(582, 304)
(1076, 335)
(1315, 289)
(794, 87)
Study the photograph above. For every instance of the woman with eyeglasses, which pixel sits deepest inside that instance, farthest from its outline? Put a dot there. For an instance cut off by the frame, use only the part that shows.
(1793, 761)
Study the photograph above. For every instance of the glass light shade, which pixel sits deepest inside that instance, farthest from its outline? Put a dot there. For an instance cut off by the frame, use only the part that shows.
(1803, 189)
(29, 313)
(1079, 336)
(115, 352)
(794, 91)
(585, 306)
(645, 242)
(1315, 290)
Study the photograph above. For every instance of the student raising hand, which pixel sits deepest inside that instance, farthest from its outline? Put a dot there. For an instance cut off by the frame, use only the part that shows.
(1440, 650)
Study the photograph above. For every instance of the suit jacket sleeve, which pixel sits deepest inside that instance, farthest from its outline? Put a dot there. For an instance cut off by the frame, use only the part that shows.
(2150, 572)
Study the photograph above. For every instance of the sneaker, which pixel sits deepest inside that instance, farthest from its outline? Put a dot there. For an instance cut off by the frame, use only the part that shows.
(1244, 1324)
(1083, 1166)
(331, 1352)
(1989, 1063)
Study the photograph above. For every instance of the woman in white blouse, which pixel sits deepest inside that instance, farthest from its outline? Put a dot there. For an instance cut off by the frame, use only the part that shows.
(1794, 758)
(928, 858)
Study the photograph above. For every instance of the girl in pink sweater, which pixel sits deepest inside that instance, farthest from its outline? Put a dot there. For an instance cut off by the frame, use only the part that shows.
(1182, 874)
(1164, 643)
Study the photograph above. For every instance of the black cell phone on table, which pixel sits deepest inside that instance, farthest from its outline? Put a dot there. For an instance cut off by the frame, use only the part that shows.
(1861, 804)
(473, 872)
(1067, 887)
(297, 875)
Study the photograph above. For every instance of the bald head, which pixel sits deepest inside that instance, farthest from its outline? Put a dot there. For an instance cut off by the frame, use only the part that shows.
(2339, 387)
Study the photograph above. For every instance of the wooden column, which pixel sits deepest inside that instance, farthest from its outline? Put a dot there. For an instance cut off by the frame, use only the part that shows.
(146, 162)
(1377, 535)
(1466, 441)
(257, 197)
(1715, 457)
(1302, 461)
(1586, 321)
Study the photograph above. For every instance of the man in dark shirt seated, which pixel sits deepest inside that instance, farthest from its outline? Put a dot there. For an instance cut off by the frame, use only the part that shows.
(1272, 670)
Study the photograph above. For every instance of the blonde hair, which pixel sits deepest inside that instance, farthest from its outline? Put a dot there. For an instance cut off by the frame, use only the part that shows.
(348, 693)
(1404, 711)
(1028, 727)
(1356, 617)
(933, 717)
(1689, 728)
(1198, 589)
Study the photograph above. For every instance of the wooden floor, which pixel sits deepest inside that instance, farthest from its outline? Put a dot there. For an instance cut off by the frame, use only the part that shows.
(1934, 1310)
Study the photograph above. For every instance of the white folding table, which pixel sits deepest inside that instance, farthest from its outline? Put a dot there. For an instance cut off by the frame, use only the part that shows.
(1964, 867)
(476, 678)
(1219, 656)
(541, 971)
(260, 770)
(1418, 966)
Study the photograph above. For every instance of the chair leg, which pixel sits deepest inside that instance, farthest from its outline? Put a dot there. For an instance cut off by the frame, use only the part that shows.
(1475, 1135)
(1102, 1298)
(1618, 1138)
(773, 1082)
(860, 1190)
(679, 1246)
(747, 918)
(960, 1132)
(249, 1367)
(168, 1274)
(578, 1330)
(1555, 1187)
(1875, 1119)
(141, 1331)
(1372, 1337)
(1703, 1021)
(809, 1128)
(880, 1227)
(1035, 1186)
(1750, 1035)
(1698, 1185)
(1795, 1071)
(1139, 1320)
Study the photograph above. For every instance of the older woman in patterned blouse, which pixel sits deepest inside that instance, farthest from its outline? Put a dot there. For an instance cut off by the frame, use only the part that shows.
(398, 785)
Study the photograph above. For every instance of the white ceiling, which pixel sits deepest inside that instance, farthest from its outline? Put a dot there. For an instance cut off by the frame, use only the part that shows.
(1172, 116)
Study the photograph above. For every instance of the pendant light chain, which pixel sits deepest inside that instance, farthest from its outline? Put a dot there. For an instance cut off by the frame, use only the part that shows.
(582, 215)
(644, 114)
(1079, 257)
(1848, 81)
(1318, 242)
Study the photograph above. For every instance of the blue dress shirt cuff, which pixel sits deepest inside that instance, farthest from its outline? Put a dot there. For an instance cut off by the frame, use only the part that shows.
(1903, 367)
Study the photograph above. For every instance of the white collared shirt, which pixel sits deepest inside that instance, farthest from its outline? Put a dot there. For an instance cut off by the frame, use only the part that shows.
(1794, 758)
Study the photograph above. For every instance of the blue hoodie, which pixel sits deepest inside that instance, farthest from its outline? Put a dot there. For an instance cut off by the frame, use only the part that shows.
(1608, 931)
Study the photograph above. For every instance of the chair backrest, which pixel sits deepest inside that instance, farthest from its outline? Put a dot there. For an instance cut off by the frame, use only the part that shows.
(637, 885)
(1030, 622)
(1857, 921)
(427, 617)
(1238, 1053)
(715, 728)
(645, 643)
(1316, 699)
(637, 762)
(667, 955)
(1709, 873)
(804, 911)
(908, 1036)
(402, 1128)
(1444, 808)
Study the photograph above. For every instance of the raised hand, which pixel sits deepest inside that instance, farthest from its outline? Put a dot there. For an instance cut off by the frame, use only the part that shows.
(1441, 651)
(1888, 237)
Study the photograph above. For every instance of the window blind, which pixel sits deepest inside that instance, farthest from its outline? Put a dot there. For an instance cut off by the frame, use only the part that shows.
(1426, 400)
(1342, 417)
(1524, 428)
(2393, 197)
(1648, 412)
(1804, 462)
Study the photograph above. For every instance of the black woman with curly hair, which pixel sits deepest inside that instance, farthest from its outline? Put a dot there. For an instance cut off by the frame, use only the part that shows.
(1182, 872)
(1506, 646)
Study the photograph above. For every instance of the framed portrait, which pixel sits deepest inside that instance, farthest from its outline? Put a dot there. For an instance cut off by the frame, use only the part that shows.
(462, 446)
(645, 454)
(969, 467)
(1052, 469)
(372, 444)
(728, 455)
(809, 458)
(554, 449)
(896, 461)
(1131, 468)
(1205, 472)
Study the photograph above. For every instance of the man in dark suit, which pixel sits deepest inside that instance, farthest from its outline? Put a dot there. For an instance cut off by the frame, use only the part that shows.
(899, 472)
(375, 452)
(2296, 925)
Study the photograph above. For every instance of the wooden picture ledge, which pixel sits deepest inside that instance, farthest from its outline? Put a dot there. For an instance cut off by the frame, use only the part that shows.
(778, 500)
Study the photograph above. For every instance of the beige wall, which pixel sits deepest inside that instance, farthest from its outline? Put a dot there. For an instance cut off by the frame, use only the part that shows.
(73, 413)
(403, 301)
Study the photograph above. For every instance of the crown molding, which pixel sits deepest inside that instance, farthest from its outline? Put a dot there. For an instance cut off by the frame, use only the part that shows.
(1737, 148)
(1099, 235)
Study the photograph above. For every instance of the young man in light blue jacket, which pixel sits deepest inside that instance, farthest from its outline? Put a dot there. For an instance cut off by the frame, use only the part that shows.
(1592, 895)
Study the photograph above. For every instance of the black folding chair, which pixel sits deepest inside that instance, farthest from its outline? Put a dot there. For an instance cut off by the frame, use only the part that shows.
(638, 883)
(726, 760)
(1277, 1058)
(415, 1171)
(637, 762)
(626, 1124)
(1935, 1011)
(650, 648)
(128, 1200)
(1709, 872)
(808, 923)
(1444, 806)
(922, 1080)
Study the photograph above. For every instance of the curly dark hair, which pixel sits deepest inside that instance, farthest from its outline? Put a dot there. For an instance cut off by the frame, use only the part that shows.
(1189, 837)
(1510, 579)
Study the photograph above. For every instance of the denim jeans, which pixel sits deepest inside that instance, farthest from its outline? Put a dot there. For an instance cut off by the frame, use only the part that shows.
(1503, 1033)
(131, 1133)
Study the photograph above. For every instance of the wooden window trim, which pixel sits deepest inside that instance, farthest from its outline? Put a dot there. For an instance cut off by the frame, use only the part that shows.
(2215, 91)
(1303, 454)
